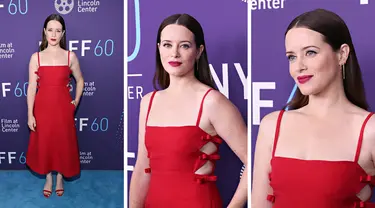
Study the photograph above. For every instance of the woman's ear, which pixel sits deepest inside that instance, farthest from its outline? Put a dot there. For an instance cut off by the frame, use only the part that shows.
(343, 54)
(200, 51)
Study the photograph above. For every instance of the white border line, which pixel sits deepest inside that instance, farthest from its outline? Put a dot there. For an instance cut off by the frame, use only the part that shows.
(249, 104)
(125, 94)
(1, 5)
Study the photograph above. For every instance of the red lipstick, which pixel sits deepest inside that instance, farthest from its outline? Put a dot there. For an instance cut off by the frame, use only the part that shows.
(53, 39)
(303, 79)
(174, 63)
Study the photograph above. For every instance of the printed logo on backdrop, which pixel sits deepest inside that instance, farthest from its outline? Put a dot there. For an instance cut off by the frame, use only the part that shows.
(64, 6)
(137, 32)
(85, 157)
(18, 89)
(276, 4)
(83, 6)
(96, 124)
(265, 4)
(6, 50)
(12, 157)
(9, 125)
(15, 7)
(89, 89)
(135, 92)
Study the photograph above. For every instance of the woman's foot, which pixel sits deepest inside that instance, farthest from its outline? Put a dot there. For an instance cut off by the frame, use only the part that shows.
(59, 185)
(47, 190)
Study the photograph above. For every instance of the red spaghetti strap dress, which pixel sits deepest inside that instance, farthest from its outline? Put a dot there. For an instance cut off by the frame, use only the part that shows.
(53, 146)
(301, 183)
(174, 154)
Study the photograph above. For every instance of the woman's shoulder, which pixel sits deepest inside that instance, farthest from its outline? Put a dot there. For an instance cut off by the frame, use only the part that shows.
(270, 119)
(362, 119)
(148, 95)
(145, 100)
(367, 119)
(35, 55)
(71, 56)
(362, 115)
(72, 53)
(214, 96)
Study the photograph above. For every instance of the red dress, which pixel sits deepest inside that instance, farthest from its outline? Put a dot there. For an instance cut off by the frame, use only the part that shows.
(174, 154)
(317, 183)
(53, 146)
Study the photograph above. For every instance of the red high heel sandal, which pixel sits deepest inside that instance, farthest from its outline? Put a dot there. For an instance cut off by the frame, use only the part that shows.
(61, 192)
(48, 194)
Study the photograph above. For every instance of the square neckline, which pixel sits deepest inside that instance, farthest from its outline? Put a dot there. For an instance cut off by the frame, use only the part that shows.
(62, 65)
(319, 161)
(356, 157)
(196, 126)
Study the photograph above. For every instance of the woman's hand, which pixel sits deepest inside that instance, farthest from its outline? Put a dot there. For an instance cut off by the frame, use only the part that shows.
(31, 123)
(75, 103)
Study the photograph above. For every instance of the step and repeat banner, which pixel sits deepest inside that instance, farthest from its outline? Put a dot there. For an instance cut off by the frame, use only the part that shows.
(272, 84)
(225, 28)
(95, 33)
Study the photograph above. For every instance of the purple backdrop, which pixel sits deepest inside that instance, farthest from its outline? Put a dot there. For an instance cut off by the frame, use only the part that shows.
(225, 30)
(95, 34)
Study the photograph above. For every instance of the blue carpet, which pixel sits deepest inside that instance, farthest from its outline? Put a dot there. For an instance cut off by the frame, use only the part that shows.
(94, 189)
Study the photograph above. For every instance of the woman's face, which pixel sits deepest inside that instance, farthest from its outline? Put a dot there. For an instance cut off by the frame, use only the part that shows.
(313, 64)
(178, 51)
(53, 32)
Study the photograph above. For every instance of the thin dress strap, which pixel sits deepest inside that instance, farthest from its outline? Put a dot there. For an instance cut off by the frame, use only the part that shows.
(149, 106)
(68, 58)
(38, 60)
(361, 137)
(277, 132)
(201, 107)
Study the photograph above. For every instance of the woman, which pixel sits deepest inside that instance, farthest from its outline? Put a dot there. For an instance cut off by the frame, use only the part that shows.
(53, 142)
(182, 125)
(320, 152)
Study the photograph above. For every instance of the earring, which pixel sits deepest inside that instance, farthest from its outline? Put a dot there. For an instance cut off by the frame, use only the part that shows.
(197, 61)
(343, 71)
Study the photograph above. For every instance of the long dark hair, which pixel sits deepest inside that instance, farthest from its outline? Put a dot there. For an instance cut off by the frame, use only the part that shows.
(58, 18)
(203, 73)
(335, 33)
